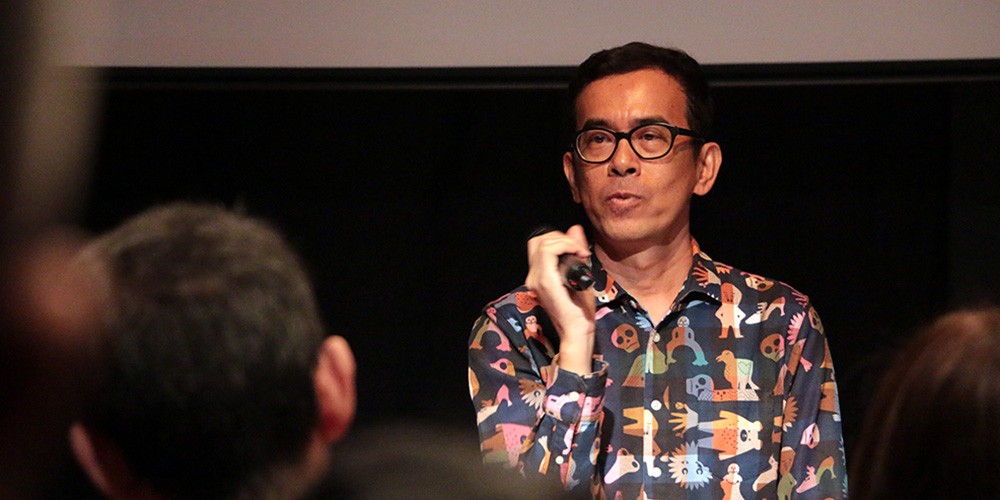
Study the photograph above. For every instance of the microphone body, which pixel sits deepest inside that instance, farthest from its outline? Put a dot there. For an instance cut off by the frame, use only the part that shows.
(576, 274)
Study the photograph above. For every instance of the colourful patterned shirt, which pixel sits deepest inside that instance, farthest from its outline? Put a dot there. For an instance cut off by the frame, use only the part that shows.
(732, 396)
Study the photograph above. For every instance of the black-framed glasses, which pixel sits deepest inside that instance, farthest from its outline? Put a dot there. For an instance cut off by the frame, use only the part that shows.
(650, 141)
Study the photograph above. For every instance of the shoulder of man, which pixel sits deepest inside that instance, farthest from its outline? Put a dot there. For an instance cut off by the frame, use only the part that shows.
(521, 318)
(518, 302)
(790, 306)
(757, 288)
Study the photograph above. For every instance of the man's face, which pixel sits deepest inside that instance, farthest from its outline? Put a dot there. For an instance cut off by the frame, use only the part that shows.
(628, 199)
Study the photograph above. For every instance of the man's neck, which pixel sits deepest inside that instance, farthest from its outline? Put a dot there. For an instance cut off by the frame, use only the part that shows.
(653, 273)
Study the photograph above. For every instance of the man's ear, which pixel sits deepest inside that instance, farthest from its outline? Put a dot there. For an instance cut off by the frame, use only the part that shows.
(570, 175)
(709, 162)
(336, 395)
(105, 465)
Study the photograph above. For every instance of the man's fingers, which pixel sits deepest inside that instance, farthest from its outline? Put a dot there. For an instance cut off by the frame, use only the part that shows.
(577, 234)
(556, 243)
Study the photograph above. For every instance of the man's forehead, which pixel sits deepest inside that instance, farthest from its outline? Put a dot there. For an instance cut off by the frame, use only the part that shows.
(647, 73)
(632, 99)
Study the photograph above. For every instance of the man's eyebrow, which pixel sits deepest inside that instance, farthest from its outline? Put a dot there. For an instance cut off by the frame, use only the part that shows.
(651, 119)
(646, 120)
(596, 123)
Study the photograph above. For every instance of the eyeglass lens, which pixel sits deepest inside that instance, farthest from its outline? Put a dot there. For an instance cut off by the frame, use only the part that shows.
(649, 142)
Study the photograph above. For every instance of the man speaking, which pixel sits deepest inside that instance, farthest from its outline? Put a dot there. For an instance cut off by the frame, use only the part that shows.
(674, 376)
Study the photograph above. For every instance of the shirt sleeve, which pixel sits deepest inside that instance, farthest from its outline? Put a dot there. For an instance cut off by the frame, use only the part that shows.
(533, 416)
(812, 464)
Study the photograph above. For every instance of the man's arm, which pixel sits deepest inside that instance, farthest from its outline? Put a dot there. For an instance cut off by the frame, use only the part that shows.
(537, 411)
(812, 455)
(571, 313)
(532, 415)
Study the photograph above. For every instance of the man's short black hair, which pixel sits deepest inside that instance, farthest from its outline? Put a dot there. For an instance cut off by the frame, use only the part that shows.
(214, 337)
(635, 56)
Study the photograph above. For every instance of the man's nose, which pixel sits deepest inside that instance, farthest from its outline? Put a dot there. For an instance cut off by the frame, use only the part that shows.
(624, 161)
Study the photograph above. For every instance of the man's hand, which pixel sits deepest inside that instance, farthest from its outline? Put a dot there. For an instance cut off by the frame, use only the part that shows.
(571, 312)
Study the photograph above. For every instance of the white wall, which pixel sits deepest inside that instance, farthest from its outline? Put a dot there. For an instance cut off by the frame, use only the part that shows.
(426, 33)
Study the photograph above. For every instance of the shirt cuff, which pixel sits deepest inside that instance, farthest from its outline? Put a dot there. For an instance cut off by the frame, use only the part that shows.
(574, 398)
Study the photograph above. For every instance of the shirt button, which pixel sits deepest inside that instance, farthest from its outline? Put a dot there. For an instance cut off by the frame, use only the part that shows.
(656, 405)
(559, 460)
(656, 337)
(634, 304)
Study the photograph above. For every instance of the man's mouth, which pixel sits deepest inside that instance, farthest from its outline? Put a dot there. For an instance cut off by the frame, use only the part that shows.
(623, 201)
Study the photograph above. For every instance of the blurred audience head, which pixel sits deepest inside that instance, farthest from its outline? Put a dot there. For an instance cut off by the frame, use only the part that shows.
(412, 460)
(47, 315)
(931, 431)
(220, 380)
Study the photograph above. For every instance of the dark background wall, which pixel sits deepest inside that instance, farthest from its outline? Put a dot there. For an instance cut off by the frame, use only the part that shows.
(870, 187)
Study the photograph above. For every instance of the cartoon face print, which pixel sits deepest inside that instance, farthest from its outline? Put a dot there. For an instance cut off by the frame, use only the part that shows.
(625, 463)
(700, 386)
(728, 293)
(730, 314)
(773, 347)
(625, 338)
(531, 323)
(810, 436)
(609, 293)
(503, 365)
(532, 393)
(733, 435)
(814, 320)
(532, 329)
(749, 436)
(787, 459)
(685, 469)
(758, 282)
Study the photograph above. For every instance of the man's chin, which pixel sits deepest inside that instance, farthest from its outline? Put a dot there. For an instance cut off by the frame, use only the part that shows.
(626, 233)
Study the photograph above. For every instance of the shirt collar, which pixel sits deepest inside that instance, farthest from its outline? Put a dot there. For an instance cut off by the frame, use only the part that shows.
(703, 277)
(702, 281)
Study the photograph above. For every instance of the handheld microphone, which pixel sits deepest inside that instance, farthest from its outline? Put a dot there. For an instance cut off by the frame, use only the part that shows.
(576, 274)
